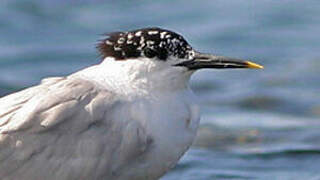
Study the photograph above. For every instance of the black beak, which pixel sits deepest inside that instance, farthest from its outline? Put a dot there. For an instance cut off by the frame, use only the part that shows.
(201, 60)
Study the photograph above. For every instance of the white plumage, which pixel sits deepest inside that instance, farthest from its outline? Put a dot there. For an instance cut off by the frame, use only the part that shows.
(116, 120)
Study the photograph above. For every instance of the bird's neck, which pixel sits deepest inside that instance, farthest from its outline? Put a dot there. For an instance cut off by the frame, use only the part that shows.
(135, 77)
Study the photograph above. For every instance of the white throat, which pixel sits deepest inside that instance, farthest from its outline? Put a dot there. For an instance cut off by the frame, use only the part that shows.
(137, 76)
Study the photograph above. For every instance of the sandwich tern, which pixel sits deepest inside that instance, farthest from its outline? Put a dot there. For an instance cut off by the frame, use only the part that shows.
(130, 117)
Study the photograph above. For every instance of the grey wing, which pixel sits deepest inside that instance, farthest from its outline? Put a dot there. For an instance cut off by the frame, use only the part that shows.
(66, 129)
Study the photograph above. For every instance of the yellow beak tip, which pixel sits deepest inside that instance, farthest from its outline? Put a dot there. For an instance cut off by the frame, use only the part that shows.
(254, 65)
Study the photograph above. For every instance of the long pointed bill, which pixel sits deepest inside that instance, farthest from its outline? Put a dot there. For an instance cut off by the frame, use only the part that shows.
(201, 61)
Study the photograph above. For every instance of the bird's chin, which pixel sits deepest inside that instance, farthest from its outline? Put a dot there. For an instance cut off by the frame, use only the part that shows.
(188, 73)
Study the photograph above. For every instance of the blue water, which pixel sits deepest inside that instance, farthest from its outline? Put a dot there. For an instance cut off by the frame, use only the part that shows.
(255, 124)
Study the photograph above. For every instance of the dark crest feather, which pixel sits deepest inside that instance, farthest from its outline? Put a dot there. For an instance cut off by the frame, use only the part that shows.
(146, 42)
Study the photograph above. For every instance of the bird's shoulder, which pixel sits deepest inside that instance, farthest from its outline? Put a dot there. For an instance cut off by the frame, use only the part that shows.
(68, 119)
(53, 101)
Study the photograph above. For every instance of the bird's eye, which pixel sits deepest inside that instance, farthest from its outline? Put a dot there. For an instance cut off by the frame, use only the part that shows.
(163, 54)
(150, 53)
(191, 54)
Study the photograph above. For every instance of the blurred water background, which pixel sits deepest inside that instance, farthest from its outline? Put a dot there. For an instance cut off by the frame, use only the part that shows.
(255, 124)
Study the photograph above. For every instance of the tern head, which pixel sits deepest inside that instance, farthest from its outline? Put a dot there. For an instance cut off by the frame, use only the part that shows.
(162, 51)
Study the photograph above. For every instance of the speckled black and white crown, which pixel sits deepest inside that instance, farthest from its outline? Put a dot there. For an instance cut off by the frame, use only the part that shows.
(146, 42)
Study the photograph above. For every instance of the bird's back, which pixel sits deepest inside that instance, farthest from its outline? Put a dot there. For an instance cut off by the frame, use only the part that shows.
(70, 128)
(58, 130)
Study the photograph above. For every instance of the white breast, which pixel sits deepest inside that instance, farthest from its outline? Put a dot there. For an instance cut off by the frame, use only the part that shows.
(171, 121)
